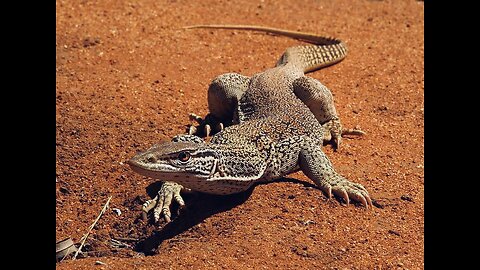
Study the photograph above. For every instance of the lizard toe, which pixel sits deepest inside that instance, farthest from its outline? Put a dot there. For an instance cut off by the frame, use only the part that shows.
(161, 204)
(341, 192)
(157, 211)
(356, 192)
(336, 142)
(353, 132)
(327, 189)
(357, 196)
(167, 215)
(147, 207)
(207, 130)
(192, 130)
(219, 127)
(181, 203)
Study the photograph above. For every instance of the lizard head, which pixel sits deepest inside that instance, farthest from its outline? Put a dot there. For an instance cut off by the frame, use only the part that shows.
(179, 161)
(194, 164)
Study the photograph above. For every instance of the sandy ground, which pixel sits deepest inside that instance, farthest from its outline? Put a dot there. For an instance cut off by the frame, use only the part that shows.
(127, 77)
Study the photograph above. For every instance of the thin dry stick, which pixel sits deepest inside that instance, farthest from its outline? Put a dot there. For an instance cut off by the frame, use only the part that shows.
(84, 238)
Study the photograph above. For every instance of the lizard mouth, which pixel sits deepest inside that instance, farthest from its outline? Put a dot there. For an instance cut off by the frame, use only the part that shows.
(151, 169)
(157, 171)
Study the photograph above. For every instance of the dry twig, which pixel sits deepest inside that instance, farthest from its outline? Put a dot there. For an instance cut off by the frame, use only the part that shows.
(84, 238)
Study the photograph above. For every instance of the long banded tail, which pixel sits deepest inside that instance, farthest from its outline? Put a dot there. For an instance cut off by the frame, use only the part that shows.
(325, 52)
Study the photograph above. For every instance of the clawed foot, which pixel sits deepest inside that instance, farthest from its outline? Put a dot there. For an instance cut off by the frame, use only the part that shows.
(162, 202)
(334, 133)
(348, 190)
(205, 125)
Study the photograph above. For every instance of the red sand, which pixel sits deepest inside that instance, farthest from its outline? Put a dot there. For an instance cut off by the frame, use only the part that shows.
(127, 77)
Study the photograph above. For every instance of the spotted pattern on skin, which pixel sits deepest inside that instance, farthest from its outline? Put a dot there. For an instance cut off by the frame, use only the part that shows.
(276, 128)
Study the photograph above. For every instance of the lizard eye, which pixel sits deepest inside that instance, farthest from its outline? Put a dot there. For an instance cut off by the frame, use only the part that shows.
(183, 156)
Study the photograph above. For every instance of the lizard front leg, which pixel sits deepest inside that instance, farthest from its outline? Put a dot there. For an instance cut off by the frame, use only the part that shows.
(224, 93)
(315, 164)
(319, 100)
(170, 191)
(162, 202)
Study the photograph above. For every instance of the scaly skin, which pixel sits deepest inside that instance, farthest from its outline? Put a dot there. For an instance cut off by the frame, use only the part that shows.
(278, 120)
(226, 90)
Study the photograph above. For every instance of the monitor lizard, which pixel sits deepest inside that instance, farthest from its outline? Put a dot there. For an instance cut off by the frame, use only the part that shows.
(266, 126)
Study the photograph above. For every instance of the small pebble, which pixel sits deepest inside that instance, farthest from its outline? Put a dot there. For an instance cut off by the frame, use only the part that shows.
(406, 198)
(394, 232)
(100, 263)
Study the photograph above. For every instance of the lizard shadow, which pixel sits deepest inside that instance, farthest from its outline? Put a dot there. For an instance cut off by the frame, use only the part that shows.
(200, 206)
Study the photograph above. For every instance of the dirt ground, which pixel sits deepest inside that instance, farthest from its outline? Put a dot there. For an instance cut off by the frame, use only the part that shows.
(127, 77)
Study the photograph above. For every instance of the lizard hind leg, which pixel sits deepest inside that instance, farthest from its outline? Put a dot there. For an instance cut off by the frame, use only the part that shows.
(319, 100)
(224, 94)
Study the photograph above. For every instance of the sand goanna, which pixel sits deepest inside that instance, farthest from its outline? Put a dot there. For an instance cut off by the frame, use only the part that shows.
(266, 126)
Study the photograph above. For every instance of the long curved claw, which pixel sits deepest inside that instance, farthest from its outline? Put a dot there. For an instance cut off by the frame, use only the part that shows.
(327, 188)
(354, 191)
(147, 206)
(208, 125)
(195, 118)
(333, 133)
(329, 192)
(219, 127)
(166, 214)
(336, 138)
(165, 207)
(192, 130)
(359, 198)
(157, 211)
(336, 142)
(353, 132)
(179, 200)
(207, 130)
(369, 201)
(342, 193)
